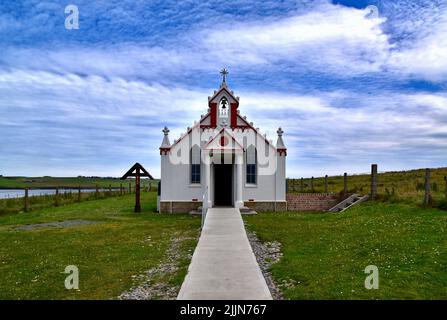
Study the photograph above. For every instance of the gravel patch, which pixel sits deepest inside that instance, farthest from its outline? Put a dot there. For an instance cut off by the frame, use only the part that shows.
(148, 284)
(56, 224)
(267, 253)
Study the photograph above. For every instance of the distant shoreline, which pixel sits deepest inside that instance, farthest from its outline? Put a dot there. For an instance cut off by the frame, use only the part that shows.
(62, 188)
(86, 183)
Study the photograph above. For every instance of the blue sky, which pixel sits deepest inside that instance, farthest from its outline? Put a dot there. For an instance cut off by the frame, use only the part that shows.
(347, 88)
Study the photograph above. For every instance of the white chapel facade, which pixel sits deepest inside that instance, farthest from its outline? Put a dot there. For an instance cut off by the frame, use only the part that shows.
(224, 157)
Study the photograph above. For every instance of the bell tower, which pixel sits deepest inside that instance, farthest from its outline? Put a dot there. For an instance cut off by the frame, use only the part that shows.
(223, 105)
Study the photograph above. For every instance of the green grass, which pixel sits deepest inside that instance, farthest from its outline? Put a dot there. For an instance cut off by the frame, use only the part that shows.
(107, 254)
(400, 186)
(17, 205)
(325, 254)
(66, 182)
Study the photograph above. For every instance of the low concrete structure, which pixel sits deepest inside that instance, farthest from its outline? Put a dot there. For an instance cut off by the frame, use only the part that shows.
(223, 266)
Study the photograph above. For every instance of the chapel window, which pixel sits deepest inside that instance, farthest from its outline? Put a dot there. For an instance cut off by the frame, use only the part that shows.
(195, 164)
(251, 165)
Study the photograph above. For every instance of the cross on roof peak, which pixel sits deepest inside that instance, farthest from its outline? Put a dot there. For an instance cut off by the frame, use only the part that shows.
(224, 72)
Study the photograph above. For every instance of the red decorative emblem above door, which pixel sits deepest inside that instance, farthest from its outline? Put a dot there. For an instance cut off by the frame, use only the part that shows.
(223, 141)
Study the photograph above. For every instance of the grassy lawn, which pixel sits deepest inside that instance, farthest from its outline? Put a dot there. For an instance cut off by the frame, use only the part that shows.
(325, 254)
(17, 205)
(120, 245)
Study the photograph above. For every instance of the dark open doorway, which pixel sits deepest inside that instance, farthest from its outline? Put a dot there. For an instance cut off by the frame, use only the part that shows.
(223, 185)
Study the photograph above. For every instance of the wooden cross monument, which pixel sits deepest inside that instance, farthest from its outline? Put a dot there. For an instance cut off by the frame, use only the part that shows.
(137, 171)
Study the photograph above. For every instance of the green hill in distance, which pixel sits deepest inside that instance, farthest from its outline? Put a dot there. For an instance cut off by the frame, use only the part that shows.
(65, 182)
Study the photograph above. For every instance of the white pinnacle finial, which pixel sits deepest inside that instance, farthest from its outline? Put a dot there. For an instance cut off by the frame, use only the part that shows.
(280, 132)
(280, 142)
(165, 143)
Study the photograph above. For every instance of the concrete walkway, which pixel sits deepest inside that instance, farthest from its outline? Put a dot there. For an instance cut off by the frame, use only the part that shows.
(223, 265)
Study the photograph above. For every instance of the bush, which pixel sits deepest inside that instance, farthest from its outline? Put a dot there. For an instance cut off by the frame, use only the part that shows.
(390, 196)
(442, 205)
(420, 186)
(434, 187)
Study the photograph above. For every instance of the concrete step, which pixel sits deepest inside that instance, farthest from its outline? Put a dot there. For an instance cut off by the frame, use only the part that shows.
(246, 210)
(243, 210)
(348, 202)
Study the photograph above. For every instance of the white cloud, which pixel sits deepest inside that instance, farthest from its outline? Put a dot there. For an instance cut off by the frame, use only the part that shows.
(330, 39)
(90, 118)
(112, 121)
(325, 132)
(427, 57)
(87, 104)
(334, 38)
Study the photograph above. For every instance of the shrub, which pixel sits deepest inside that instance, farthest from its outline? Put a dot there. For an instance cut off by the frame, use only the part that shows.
(434, 187)
(420, 186)
(442, 204)
(390, 196)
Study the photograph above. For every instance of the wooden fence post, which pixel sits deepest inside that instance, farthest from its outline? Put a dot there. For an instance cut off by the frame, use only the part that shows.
(79, 194)
(110, 190)
(56, 198)
(373, 181)
(345, 185)
(427, 187)
(312, 184)
(150, 187)
(96, 192)
(26, 200)
(325, 184)
(121, 189)
(302, 184)
(137, 192)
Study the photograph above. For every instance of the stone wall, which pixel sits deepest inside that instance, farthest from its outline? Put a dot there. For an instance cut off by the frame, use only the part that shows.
(179, 206)
(295, 202)
(266, 205)
(311, 201)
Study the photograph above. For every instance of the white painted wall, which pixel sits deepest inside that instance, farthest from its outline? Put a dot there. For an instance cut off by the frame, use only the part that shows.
(175, 176)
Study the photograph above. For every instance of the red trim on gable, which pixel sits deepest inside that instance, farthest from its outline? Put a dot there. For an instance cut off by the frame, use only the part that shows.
(218, 134)
(164, 151)
(225, 149)
(220, 90)
(233, 120)
(205, 117)
(213, 111)
(249, 126)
